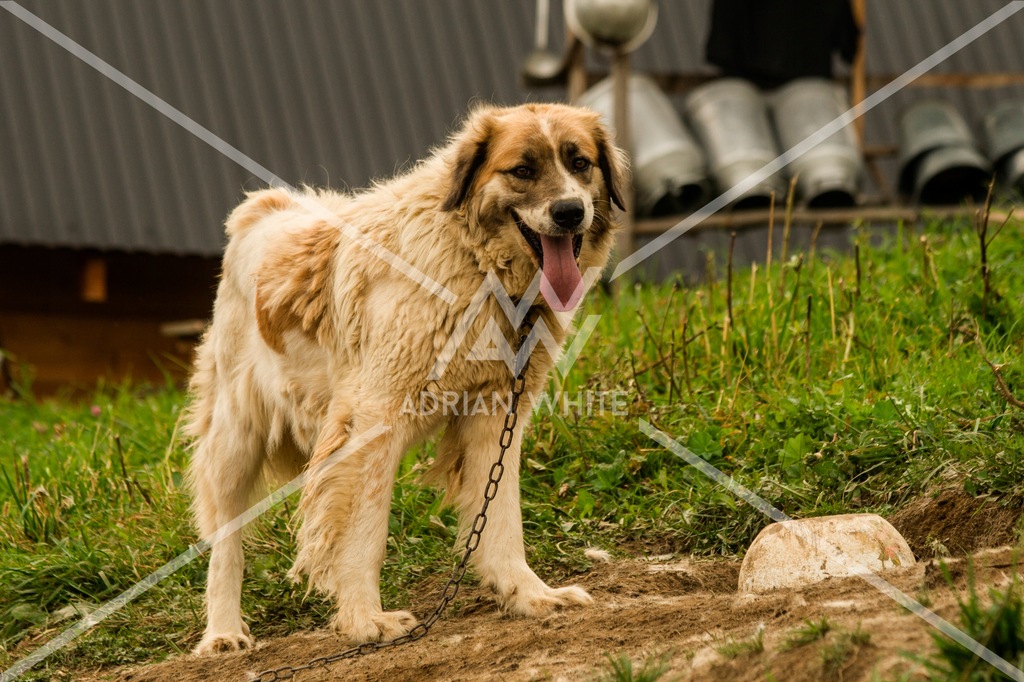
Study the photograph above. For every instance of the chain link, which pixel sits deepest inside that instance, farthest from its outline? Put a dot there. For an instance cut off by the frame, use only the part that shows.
(451, 588)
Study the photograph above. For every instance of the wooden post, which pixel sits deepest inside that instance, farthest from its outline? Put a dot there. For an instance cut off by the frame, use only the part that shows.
(94, 281)
(858, 76)
(620, 104)
(576, 72)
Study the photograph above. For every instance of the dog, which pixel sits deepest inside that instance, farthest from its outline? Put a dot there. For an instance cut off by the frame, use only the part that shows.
(333, 308)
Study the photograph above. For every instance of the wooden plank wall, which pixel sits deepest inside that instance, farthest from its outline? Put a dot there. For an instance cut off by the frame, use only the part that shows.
(73, 317)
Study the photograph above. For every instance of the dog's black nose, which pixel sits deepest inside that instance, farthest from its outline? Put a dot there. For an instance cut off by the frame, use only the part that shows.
(567, 213)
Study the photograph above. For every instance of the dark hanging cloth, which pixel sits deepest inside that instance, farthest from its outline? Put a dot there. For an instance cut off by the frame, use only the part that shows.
(773, 41)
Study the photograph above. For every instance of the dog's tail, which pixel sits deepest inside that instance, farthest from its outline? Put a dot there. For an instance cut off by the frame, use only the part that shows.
(257, 205)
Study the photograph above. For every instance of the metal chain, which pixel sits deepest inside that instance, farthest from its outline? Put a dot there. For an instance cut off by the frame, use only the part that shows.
(451, 588)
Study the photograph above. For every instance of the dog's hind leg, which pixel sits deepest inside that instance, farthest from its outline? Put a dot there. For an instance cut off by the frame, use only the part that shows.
(345, 505)
(471, 445)
(225, 467)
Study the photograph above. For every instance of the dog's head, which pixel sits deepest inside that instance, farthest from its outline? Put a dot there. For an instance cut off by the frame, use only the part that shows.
(537, 182)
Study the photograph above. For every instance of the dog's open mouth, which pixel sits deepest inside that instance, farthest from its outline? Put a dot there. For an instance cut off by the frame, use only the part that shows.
(561, 283)
(533, 239)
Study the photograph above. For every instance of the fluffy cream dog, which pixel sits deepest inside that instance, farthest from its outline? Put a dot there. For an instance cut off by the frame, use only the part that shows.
(321, 331)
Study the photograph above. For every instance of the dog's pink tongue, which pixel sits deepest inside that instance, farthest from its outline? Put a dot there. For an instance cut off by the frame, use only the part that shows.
(560, 283)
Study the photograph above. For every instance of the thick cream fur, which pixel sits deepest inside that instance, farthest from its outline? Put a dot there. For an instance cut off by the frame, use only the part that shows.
(316, 340)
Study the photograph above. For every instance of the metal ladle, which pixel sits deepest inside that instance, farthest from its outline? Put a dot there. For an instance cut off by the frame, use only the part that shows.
(542, 66)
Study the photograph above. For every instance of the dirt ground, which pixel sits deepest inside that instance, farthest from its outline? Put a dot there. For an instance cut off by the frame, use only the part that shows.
(679, 608)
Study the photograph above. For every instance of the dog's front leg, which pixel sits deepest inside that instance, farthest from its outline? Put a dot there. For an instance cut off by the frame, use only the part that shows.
(500, 559)
(345, 505)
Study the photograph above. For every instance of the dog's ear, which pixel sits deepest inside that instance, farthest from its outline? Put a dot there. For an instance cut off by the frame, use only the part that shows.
(471, 145)
(614, 166)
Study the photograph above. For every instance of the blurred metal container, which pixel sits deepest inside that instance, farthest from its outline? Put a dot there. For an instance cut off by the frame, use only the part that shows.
(950, 175)
(1012, 169)
(1004, 140)
(669, 169)
(939, 162)
(830, 174)
(730, 118)
(1004, 129)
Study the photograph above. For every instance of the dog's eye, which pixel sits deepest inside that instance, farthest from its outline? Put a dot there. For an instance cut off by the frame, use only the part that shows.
(524, 172)
(580, 164)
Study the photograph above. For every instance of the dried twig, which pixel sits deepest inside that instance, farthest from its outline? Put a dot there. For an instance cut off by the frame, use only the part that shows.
(1001, 386)
(807, 342)
(124, 470)
(131, 480)
(981, 229)
(728, 276)
(658, 347)
(856, 258)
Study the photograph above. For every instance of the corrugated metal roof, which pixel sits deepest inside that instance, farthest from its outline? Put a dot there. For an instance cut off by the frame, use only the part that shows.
(327, 93)
(324, 92)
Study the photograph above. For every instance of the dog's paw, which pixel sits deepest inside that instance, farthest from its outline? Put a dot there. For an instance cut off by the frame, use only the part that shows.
(522, 593)
(221, 642)
(381, 626)
(540, 601)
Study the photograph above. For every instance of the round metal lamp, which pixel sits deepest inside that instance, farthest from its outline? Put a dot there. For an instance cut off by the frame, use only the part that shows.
(621, 24)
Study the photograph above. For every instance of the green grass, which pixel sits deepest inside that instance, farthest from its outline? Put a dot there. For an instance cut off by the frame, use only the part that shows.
(998, 626)
(810, 631)
(839, 384)
(733, 648)
(621, 669)
(837, 653)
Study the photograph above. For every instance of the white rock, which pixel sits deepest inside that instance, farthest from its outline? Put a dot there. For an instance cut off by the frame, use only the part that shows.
(806, 551)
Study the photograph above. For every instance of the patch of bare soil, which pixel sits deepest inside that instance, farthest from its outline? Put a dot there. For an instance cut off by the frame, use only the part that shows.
(953, 522)
(680, 609)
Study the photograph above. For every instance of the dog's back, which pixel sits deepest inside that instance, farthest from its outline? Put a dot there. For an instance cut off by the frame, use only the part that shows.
(267, 280)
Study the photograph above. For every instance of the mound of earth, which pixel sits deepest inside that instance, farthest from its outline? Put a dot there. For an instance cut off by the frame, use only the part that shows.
(952, 523)
(682, 610)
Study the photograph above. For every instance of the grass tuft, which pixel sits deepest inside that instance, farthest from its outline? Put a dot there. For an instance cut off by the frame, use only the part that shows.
(620, 669)
(734, 648)
(810, 631)
(843, 647)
